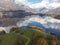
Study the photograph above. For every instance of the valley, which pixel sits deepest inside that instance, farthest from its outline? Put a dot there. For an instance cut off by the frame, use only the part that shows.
(23, 23)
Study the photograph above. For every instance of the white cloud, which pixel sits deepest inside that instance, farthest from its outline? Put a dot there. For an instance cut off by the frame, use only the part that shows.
(41, 4)
(20, 1)
(25, 2)
(55, 5)
(44, 3)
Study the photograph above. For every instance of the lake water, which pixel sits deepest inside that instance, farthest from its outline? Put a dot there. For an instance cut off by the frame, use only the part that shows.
(47, 23)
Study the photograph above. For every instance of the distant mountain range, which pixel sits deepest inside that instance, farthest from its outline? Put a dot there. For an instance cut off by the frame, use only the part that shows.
(11, 5)
(44, 9)
(7, 5)
(9, 9)
(11, 13)
(54, 13)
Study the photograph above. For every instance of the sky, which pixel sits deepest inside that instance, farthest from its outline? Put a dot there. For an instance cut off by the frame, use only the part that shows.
(40, 3)
(34, 1)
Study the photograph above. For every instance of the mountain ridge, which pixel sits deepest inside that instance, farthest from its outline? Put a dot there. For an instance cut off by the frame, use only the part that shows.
(54, 13)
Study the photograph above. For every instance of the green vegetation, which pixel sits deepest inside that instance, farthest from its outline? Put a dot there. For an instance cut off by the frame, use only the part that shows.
(28, 36)
(8, 39)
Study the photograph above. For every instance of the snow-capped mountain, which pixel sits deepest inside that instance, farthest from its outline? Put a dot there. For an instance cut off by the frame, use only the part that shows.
(40, 6)
(55, 12)
(7, 5)
(48, 23)
(44, 9)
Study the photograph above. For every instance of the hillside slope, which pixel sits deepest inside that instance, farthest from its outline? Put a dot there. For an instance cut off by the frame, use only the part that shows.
(29, 36)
